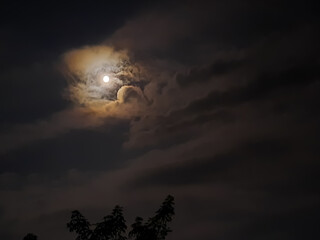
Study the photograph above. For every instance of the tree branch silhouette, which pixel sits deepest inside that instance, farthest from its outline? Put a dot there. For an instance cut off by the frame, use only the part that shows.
(113, 226)
(30, 236)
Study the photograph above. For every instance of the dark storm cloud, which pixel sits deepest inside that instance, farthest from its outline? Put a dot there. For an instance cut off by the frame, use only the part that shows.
(257, 76)
(226, 118)
(297, 76)
(77, 149)
(196, 75)
(215, 168)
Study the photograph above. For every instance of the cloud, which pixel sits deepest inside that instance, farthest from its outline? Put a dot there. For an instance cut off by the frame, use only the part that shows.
(203, 74)
(57, 124)
(129, 93)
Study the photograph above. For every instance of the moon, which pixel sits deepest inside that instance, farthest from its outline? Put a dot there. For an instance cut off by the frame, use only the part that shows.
(106, 78)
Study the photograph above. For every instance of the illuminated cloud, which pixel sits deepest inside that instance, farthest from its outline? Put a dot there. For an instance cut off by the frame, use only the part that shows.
(85, 68)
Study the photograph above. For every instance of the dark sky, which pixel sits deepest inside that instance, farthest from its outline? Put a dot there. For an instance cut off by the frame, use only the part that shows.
(214, 102)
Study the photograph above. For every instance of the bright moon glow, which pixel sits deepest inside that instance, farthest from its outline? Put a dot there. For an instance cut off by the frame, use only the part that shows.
(106, 78)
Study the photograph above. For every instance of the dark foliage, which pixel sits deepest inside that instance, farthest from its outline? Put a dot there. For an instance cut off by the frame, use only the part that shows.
(80, 225)
(156, 227)
(113, 227)
(30, 236)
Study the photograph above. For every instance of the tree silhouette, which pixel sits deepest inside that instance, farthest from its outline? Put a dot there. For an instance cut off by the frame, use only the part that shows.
(80, 225)
(30, 236)
(113, 226)
(156, 227)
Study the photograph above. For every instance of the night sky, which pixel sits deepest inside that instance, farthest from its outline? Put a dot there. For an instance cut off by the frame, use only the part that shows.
(214, 102)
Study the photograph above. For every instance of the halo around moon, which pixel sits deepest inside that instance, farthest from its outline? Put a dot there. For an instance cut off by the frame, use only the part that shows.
(96, 73)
